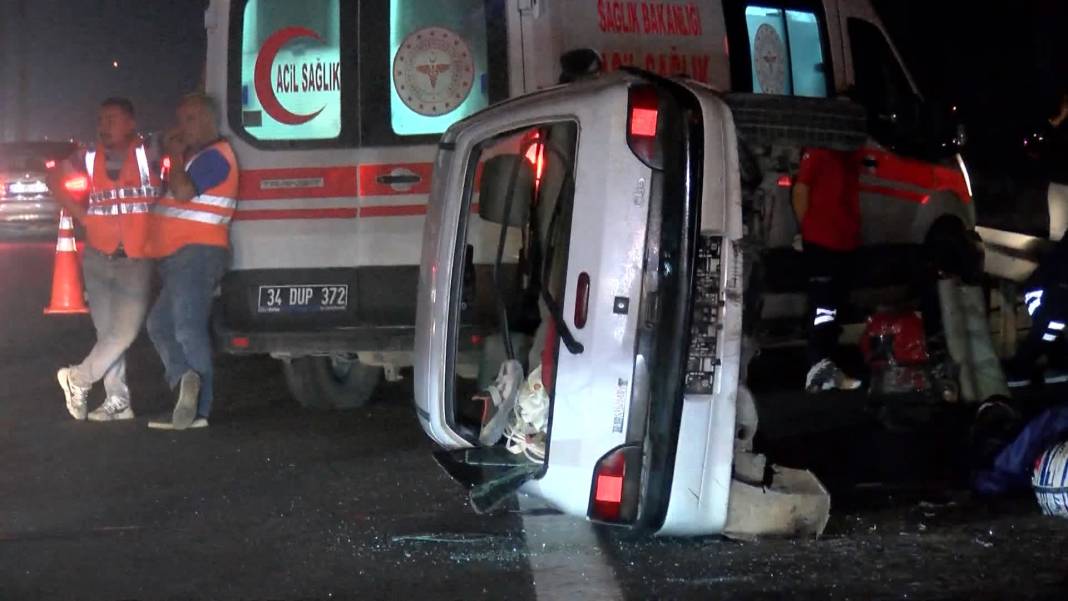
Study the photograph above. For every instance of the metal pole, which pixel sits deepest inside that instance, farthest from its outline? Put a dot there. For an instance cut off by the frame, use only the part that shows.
(5, 60)
(23, 77)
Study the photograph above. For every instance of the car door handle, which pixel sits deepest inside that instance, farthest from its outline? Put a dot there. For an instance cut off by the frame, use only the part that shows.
(870, 162)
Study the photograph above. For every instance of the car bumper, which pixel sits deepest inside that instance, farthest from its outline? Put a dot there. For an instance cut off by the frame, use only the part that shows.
(35, 212)
(700, 487)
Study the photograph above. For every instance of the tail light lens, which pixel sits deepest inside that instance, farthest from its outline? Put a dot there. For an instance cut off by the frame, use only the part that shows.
(644, 125)
(77, 184)
(616, 486)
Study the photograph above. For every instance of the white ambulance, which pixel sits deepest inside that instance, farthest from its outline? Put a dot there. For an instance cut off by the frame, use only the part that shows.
(335, 107)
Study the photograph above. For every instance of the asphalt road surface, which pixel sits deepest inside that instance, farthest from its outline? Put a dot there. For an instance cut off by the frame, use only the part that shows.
(274, 502)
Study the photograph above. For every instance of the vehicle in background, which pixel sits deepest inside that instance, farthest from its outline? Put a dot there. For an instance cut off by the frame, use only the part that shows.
(335, 108)
(26, 203)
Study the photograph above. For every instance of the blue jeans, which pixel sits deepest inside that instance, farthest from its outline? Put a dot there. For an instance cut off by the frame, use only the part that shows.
(180, 322)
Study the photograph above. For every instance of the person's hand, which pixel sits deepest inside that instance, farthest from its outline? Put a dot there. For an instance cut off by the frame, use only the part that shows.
(1061, 116)
(798, 243)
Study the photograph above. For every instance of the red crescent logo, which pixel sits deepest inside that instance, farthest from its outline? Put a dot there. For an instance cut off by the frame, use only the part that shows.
(262, 75)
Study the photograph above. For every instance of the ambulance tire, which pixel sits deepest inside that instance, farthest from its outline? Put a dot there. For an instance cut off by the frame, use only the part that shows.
(326, 383)
(766, 120)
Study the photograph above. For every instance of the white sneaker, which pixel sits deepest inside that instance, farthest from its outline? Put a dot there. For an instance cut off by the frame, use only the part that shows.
(77, 397)
(498, 408)
(200, 422)
(114, 409)
(825, 376)
(185, 410)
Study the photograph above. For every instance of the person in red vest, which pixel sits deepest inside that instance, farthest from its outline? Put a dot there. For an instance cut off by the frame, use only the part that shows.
(190, 235)
(124, 181)
(826, 200)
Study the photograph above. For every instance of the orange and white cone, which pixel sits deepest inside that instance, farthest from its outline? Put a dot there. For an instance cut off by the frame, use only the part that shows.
(68, 296)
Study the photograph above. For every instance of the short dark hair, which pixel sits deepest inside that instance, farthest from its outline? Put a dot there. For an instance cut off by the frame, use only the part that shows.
(123, 104)
(202, 100)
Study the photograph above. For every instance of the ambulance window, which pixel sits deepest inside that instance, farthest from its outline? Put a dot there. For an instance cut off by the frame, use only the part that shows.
(439, 63)
(786, 52)
(292, 77)
(881, 85)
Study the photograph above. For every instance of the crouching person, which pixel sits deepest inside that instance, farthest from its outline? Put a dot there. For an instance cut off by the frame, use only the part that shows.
(190, 237)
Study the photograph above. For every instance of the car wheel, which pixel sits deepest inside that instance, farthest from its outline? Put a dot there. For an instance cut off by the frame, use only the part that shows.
(331, 382)
(764, 120)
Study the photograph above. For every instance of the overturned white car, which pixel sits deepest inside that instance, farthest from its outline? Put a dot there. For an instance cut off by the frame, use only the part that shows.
(580, 321)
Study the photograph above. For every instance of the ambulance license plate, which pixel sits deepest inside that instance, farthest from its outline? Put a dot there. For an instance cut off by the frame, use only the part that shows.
(316, 298)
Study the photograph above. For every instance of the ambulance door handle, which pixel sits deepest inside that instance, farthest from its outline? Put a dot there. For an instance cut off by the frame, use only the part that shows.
(405, 179)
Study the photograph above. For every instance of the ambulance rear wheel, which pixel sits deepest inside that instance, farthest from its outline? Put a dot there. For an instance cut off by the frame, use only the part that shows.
(331, 382)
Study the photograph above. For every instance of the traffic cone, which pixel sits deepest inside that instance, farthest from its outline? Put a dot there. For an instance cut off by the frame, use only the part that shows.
(68, 297)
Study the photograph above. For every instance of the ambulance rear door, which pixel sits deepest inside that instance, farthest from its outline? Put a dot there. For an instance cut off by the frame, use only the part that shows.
(668, 38)
(335, 108)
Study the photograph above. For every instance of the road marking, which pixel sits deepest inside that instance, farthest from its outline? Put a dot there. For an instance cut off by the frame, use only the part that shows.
(565, 557)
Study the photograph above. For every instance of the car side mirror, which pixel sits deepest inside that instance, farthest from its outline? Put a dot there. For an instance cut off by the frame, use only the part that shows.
(506, 191)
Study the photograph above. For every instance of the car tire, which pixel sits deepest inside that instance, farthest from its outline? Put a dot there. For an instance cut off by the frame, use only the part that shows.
(325, 383)
(765, 120)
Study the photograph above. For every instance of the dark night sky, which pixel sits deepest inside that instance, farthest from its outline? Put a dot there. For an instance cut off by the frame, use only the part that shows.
(70, 46)
(999, 58)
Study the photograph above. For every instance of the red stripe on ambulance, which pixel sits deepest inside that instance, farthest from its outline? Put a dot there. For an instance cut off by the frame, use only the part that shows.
(393, 211)
(290, 214)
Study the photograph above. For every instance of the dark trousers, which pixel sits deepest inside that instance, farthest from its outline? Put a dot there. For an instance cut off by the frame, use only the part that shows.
(1047, 302)
(829, 279)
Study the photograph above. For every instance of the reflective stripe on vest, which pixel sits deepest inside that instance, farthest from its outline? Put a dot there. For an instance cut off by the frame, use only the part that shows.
(191, 215)
(125, 208)
(101, 202)
(121, 193)
(193, 209)
(216, 201)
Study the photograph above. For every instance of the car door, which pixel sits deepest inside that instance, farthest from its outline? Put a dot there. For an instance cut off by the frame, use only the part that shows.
(896, 190)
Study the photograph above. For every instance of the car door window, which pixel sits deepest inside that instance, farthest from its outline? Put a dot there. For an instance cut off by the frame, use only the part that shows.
(881, 85)
(786, 51)
(514, 247)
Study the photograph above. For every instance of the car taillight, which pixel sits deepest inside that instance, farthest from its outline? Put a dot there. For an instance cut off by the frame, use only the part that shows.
(643, 121)
(616, 486)
(78, 184)
(644, 124)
